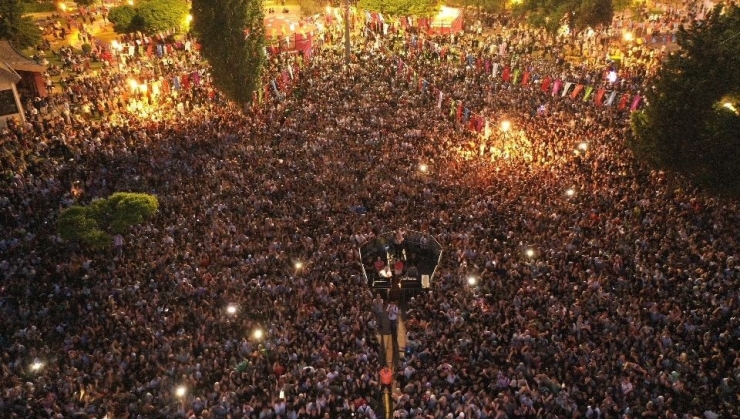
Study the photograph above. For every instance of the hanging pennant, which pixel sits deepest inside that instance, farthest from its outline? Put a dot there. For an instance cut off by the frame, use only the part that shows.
(576, 91)
(525, 78)
(556, 87)
(610, 100)
(635, 103)
(623, 102)
(507, 74)
(546, 84)
(587, 95)
(599, 99)
(566, 88)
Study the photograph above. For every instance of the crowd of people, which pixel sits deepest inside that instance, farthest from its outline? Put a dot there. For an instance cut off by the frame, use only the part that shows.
(604, 289)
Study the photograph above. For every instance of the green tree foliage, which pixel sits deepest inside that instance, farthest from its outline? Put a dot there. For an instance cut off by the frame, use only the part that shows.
(21, 31)
(122, 18)
(480, 5)
(311, 7)
(149, 16)
(401, 7)
(161, 15)
(87, 3)
(232, 37)
(577, 14)
(691, 125)
(92, 225)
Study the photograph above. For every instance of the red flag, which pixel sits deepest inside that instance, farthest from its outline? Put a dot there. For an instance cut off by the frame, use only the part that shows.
(507, 74)
(525, 78)
(546, 84)
(635, 103)
(598, 100)
(623, 101)
(576, 91)
(459, 111)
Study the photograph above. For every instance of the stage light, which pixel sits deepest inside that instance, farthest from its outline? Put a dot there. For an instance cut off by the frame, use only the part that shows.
(472, 281)
(180, 391)
(231, 309)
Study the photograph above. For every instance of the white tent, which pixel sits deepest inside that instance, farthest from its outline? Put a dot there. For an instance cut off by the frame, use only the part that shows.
(10, 103)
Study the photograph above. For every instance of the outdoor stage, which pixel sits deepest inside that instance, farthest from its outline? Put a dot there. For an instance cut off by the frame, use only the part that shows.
(398, 265)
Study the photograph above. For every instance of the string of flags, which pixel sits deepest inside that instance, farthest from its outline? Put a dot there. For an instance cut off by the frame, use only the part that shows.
(526, 77)
(598, 96)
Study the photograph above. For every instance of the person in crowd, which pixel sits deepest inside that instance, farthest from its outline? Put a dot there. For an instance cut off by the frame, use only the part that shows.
(606, 289)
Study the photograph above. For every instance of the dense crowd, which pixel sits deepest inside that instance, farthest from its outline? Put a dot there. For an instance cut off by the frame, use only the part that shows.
(604, 289)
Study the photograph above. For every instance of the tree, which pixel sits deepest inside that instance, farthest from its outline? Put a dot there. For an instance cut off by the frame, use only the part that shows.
(311, 7)
(122, 18)
(92, 225)
(162, 15)
(232, 38)
(401, 7)
(21, 31)
(691, 123)
(576, 14)
(149, 16)
(480, 5)
(87, 3)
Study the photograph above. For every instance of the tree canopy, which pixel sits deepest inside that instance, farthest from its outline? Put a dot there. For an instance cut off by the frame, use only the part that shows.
(92, 225)
(232, 37)
(150, 16)
(87, 2)
(20, 30)
(691, 124)
(401, 7)
(576, 14)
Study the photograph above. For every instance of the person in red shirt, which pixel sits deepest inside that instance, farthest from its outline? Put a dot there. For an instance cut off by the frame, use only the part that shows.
(386, 378)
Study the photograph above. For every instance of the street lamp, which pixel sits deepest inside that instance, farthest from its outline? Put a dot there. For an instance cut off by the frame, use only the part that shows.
(472, 281)
(258, 334)
(529, 252)
(180, 391)
(231, 309)
(423, 168)
(570, 192)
